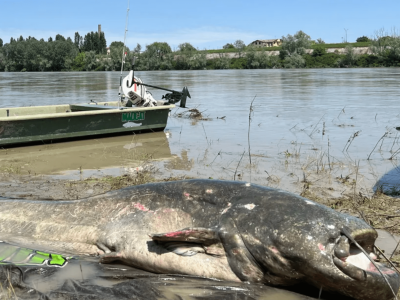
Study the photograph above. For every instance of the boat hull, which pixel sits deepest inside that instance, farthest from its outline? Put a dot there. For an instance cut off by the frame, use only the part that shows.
(23, 125)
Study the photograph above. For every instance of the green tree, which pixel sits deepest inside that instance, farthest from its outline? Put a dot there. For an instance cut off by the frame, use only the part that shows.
(350, 58)
(117, 44)
(156, 56)
(185, 47)
(240, 46)
(79, 62)
(363, 39)
(102, 44)
(368, 61)
(274, 62)
(228, 46)
(222, 62)
(78, 40)
(107, 64)
(94, 36)
(319, 50)
(294, 61)
(189, 60)
(59, 37)
(328, 60)
(58, 52)
(182, 61)
(256, 59)
(2, 62)
(137, 49)
(199, 61)
(116, 56)
(90, 60)
(1, 43)
(386, 47)
(296, 43)
(283, 54)
(87, 43)
(34, 55)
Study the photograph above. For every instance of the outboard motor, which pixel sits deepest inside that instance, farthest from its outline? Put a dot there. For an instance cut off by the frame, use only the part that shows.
(136, 93)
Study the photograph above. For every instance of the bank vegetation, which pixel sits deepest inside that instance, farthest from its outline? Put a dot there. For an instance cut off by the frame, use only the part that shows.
(89, 53)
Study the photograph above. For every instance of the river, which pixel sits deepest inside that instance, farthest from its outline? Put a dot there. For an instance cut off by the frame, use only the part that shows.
(292, 122)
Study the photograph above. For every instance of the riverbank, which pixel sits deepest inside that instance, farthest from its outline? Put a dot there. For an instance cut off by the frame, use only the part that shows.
(357, 50)
(342, 194)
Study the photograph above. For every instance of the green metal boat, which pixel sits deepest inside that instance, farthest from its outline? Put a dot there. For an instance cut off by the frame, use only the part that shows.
(135, 111)
(44, 123)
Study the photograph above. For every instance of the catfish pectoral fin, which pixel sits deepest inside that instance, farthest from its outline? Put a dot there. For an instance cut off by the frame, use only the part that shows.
(184, 248)
(200, 235)
(188, 241)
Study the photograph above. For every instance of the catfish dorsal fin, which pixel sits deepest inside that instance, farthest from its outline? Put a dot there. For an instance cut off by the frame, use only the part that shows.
(200, 235)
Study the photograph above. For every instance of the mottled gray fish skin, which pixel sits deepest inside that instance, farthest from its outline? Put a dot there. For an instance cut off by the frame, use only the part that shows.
(220, 229)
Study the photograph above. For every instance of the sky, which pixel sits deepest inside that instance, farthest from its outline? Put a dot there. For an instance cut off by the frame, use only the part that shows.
(206, 24)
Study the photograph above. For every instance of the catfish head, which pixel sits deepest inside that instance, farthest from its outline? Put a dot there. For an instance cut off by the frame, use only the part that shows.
(278, 238)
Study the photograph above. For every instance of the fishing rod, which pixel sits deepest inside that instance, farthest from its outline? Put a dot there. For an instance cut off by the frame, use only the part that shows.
(123, 57)
(172, 97)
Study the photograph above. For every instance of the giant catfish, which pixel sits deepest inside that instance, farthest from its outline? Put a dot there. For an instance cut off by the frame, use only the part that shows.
(228, 230)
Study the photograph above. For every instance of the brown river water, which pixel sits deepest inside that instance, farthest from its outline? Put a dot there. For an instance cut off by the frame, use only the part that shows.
(272, 127)
(302, 122)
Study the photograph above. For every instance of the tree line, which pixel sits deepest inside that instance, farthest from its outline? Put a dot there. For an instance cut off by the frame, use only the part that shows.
(88, 53)
(57, 54)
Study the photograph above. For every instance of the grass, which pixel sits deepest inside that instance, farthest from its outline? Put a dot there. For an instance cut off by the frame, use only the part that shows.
(11, 169)
(334, 45)
(7, 291)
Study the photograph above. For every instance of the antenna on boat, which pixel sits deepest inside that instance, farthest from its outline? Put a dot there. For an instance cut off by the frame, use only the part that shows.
(123, 57)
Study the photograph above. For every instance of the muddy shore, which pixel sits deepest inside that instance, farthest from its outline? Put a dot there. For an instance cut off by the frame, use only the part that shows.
(321, 185)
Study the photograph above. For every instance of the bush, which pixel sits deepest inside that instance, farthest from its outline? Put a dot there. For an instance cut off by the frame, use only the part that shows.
(319, 50)
(297, 43)
(186, 47)
(368, 61)
(222, 62)
(328, 60)
(238, 63)
(228, 46)
(362, 39)
(283, 54)
(294, 61)
(350, 58)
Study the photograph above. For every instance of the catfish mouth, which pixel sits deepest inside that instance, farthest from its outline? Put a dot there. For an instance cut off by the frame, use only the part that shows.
(359, 263)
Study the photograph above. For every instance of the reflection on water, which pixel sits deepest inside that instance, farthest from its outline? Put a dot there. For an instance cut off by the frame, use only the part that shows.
(182, 162)
(101, 156)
